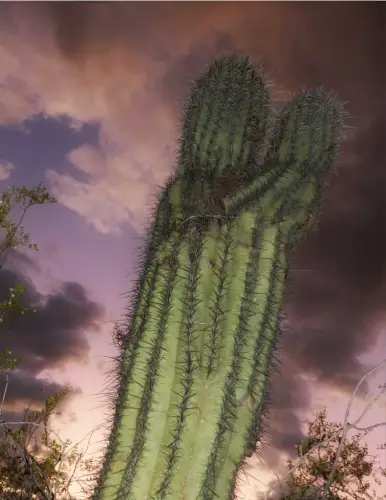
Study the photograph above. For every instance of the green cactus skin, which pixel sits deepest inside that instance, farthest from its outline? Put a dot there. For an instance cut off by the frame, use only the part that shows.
(204, 325)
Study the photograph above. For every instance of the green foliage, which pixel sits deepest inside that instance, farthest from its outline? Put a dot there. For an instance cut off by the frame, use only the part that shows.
(23, 198)
(14, 236)
(8, 361)
(199, 344)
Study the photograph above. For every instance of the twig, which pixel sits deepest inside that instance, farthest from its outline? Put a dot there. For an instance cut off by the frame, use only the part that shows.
(4, 393)
(347, 426)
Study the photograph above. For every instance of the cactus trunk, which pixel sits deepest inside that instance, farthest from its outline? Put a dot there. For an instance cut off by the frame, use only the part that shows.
(200, 343)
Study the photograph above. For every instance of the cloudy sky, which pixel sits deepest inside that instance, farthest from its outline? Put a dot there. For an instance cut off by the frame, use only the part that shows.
(90, 103)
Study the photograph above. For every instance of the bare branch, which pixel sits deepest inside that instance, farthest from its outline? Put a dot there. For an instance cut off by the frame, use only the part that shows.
(342, 432)
(347, 426)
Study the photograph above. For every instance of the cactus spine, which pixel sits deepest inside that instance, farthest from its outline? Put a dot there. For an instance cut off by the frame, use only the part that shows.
(204, 325)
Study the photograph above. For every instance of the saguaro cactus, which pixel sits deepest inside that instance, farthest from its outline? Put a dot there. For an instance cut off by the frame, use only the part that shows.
(204, 324)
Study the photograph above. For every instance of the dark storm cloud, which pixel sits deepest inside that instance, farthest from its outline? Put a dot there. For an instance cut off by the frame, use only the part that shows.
(71, 25)
(47, 339)
(338, 45)
(282, 428)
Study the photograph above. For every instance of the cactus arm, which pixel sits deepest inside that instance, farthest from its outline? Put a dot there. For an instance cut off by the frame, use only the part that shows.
(161, 367)
(138, 316)
(134, 357)
(217, 138)
(227, 296)
(183, 397)
(251, 364)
